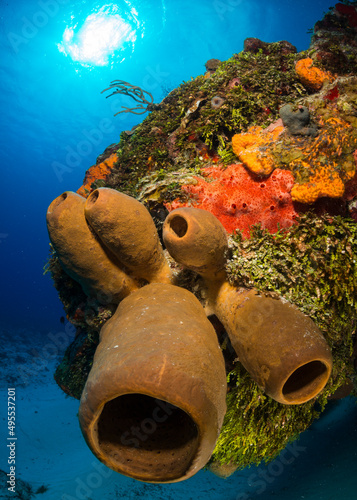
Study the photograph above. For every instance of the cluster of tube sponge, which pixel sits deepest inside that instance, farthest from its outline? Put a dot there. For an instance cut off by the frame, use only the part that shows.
(154, 401)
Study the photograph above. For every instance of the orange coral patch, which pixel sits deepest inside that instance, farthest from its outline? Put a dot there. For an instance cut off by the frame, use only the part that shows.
(324, 183)
(326, 164)
(252, 149)
(310, 75)
(100, 171)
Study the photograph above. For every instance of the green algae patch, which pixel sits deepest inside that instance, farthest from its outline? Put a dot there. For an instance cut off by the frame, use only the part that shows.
(187, 130)
(313, 265)
(256, 428)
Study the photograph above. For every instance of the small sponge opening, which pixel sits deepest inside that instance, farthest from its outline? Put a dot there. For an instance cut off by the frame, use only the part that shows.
(92, 198)
(305, 382)
(179, 226)
(58, 201)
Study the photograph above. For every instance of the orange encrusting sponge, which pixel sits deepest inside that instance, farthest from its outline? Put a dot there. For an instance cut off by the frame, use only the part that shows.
(252, 149)
(325, 182)
(311, 76)
(95, 172)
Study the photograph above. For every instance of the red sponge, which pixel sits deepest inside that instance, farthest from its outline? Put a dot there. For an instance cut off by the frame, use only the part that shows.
(240, 199)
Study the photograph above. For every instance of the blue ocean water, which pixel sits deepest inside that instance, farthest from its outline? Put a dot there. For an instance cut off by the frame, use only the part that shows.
(56, 56)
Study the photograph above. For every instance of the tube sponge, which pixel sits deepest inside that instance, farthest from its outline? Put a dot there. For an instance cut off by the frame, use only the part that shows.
(196, 239)
(282, 349)
(81, 254)
(126, 228)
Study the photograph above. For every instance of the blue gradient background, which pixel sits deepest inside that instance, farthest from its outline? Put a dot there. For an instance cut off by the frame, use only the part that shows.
(51, 104)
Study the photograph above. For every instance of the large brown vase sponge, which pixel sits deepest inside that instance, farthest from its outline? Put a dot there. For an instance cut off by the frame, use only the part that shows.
(154, 401)
(126, 227)
(81, 254)
(281, 348)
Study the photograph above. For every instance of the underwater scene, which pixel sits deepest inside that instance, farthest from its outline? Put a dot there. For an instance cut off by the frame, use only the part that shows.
(179, 250)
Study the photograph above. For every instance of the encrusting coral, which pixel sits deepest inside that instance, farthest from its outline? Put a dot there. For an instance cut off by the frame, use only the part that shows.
(288, 206)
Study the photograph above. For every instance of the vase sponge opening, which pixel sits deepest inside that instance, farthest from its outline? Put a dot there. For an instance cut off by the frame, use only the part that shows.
(147, 438)
(306, 382)
(57, 202)
(92, 198)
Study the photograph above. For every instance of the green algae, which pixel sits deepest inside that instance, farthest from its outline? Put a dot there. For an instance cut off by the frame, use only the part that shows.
(173, 135)
(313, 265)
(256, 428)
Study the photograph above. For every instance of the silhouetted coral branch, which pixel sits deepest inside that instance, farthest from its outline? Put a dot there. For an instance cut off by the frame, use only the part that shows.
(136, 93)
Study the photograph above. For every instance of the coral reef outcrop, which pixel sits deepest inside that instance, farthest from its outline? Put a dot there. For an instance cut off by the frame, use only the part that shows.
(265, 143)
(134, 367)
